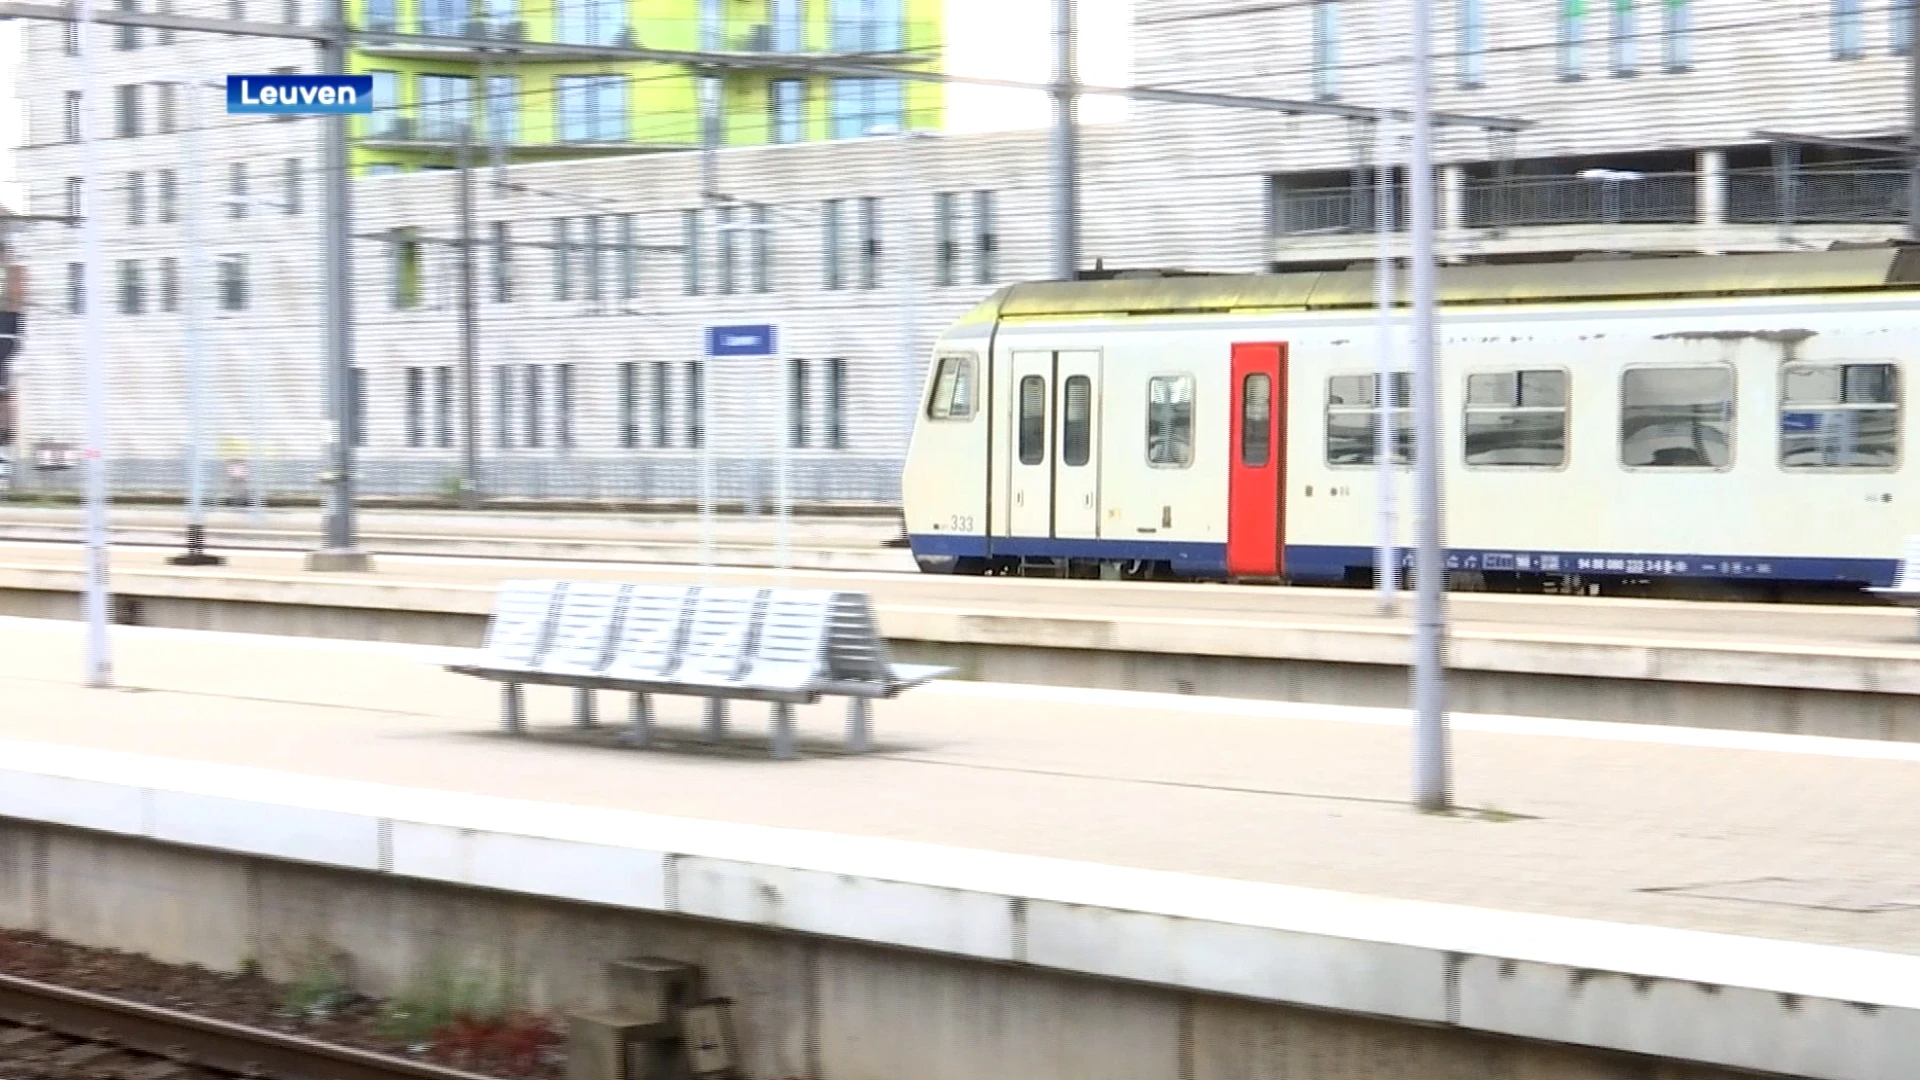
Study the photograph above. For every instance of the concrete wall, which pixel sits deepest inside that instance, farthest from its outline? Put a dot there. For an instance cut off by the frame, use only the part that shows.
(804, 1006)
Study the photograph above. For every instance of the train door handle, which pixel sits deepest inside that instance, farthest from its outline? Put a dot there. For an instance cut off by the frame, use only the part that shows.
(1019, 498)
(1088, 502)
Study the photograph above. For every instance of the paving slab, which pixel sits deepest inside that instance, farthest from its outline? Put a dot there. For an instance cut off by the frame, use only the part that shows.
(1786, 837)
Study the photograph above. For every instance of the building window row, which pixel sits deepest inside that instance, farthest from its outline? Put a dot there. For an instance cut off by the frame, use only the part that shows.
(142, 286)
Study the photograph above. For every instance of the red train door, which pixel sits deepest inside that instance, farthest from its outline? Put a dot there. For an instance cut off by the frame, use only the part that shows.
(1257, 477)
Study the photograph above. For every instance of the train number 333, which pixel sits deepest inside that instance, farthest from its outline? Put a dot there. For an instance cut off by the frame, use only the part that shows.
(962, 523)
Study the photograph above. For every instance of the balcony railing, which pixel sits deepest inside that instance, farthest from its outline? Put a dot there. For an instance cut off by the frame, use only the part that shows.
(1817, 196)
(1646, 199)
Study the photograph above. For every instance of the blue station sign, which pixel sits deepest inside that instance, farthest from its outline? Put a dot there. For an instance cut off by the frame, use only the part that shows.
(756, 340)
(300, 95)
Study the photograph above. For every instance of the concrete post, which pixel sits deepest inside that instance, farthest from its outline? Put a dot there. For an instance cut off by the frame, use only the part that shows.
(1711, 187)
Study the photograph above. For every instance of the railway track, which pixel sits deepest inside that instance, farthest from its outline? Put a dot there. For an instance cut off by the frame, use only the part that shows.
(50, 1032)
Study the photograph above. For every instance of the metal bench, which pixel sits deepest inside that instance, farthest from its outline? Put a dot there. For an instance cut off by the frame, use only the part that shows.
(782, 646)
(1905, 589)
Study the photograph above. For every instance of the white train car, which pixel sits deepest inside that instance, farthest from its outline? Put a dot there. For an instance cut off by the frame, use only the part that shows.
(1740, 417)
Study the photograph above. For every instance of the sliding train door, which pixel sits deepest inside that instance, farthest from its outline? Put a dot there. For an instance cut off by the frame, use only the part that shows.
(1257, 470)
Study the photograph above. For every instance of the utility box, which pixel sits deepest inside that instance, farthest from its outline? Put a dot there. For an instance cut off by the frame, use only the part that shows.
(604, 1046)
(653, 990)
(707, 1032)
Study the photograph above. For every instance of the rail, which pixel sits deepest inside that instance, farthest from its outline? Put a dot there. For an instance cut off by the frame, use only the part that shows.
(200, 1041)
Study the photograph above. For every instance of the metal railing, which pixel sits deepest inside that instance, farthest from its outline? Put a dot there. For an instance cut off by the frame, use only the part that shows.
(1817, 196)
(1651, 198)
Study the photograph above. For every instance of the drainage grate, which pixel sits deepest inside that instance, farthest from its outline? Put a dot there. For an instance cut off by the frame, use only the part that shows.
(1857, 897)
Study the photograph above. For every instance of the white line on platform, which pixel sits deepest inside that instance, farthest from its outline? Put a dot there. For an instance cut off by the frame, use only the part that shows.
(1489, 723)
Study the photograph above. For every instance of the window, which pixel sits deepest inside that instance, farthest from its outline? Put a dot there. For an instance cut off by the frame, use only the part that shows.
(562, 259)
(830, 244)
(290, 12)
(1170, 421)
(285, 118)
(76, 288)
(863, 107)
(593, 108)
(1900, 28)
(502, 262)
(76, 201)
(237, 190)
(1256, 420)
(629, 405)
(986, 242)
(382, 15)
(236, 10)
(384, 121)
(126, 110)
(133, 298)
(1033, 420)
(167, 106)
(836, 404)
(232, 271)
(136, 199)
(952, 389)
(944, 253)
(563, 406)
(445, 106)
(690, 240)
(165, 7)
(73, 38)
(442, 16)
(728, 244)
(1076, 421)
(503, 406)
(73, 115)
(1353, 419)
(789, 25)
(357, 406)
(169, 196)
(869, 242)
(1573, 38)
(380, 168)
(443, 406)
(797, 403)
(530, 405)
(696, 403)
(1516, 419)
(1470, 67)
(590, 250)
(660, 432)
(1849, 29)
(787, 111)
(404, 285)
(127, 38)
(169, 284)
(761, 239)
(1676, 417)
(1839, 416)
(1326, 49)
(590, 22)
(629, 259)
(1626, 20)
(416, 405)
(503, 108)
(1679, 35)
(291, 175)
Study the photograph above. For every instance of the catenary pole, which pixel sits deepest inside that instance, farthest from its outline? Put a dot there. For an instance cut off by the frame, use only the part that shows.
(99, 662)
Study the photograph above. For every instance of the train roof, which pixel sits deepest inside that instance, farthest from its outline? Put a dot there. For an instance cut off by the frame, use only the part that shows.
(1865, 270)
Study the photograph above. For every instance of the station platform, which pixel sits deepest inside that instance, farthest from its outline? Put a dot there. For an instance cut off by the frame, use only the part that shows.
(1755, 893)
(1843, 671)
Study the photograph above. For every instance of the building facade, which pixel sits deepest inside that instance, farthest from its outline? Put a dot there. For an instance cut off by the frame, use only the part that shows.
(1652, 128)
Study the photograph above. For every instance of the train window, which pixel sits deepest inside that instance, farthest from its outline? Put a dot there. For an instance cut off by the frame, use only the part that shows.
(1839, 416)
(1170, 421)
(1076, 422)
(1256, 419)
(1517, 419)
(1353, 419)
(1677, 417)
(1033, 420)
(952, 389)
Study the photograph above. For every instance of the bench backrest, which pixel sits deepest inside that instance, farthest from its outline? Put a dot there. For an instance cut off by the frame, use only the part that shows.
(652, 631)
(719, 636)
(522, 624)
(1908, 578)
(855, 650)
(583, 631)
(791, 652)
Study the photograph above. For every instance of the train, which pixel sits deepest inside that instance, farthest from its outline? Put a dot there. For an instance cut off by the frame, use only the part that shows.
(1733, 420)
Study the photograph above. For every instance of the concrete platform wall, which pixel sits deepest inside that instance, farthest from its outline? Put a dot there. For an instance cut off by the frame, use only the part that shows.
(1801, 710)
(806, 1007)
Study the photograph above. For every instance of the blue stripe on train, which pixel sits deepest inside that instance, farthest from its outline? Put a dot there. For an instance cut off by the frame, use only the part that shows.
(1318, 562)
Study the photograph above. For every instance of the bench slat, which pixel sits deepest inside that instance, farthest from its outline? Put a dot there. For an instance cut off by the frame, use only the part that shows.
(791, 652)
(652, 631)
(719, 636)
(522, 624)
(583, 632)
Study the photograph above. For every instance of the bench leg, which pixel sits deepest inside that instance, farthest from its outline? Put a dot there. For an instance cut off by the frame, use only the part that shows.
(513, 708)
(583, 708)
(783, 731)
(716, 719)
(641, 717)
(859, 725)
